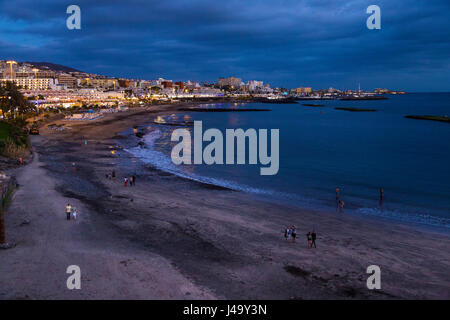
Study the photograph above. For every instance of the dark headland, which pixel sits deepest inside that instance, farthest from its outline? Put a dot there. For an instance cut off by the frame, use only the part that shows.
(431, 118)
(355, 109)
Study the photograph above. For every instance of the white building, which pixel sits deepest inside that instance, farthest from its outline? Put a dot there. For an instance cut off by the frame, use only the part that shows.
(254, 85)
(33, 83)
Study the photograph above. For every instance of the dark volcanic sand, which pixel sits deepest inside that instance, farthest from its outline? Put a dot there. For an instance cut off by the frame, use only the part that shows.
(171, 238)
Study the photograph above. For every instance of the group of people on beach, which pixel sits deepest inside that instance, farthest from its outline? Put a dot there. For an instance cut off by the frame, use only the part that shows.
(129, 181)
(71, 211)
(291, 233)
(111, 175)
(311, 237)
(339, 202)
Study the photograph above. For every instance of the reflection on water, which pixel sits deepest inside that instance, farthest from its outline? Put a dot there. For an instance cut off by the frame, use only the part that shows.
(232, 119)
(160, 119)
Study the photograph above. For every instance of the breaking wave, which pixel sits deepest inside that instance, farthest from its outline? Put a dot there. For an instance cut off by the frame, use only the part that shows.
(162, 162)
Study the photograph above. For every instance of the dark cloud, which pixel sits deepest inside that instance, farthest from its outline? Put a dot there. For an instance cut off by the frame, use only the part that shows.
(286, 43)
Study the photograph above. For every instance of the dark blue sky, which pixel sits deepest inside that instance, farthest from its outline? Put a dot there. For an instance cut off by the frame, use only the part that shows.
(286, 42)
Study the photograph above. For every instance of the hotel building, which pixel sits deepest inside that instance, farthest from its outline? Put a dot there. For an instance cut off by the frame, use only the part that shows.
(231, 81)
(305, 90)
(67, 80)
(32, 83)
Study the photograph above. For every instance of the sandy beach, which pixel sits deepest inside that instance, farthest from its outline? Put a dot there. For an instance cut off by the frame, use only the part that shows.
(172, 238)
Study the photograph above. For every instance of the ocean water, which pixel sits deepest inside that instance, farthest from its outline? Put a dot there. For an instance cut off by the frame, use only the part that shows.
(322, 148)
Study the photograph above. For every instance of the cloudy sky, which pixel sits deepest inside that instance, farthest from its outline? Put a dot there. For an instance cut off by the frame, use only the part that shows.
(287, 43)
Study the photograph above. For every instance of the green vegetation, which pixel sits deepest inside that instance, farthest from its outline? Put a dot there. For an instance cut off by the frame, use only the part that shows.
(12, 102)
(356, 109)
(14, 130)
(14, 142)
(4, 131)
(15, 108)
(432, 118)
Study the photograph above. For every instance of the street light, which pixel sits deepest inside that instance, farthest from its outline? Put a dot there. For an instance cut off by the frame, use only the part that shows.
(35, 72)
(11, 62)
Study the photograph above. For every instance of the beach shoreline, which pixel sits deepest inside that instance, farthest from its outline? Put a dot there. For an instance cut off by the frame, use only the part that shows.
(219, 243)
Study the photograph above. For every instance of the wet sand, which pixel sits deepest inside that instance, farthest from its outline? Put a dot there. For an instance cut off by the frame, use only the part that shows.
(171, 238)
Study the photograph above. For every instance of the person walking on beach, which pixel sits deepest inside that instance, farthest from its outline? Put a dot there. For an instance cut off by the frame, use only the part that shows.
(309, 238)
(287, 232)
(313, 239)
(134, 179)
(337, 198)
(125, 182)
(381, 197)
(113, 174)
(74, 213)
(341, 206)
(68, 211)
(293, 233)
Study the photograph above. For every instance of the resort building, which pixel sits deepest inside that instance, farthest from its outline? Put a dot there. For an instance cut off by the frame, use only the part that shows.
(180, 85)
(35, 74)
(32, 83)
(192, 84)
(167, 84)
(305, 90)
(254, 85)
(105, 83)
(67, 80)
(124, 83)
(232, 82)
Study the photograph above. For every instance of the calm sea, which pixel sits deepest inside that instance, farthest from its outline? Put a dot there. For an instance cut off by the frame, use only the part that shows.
(322, 148)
